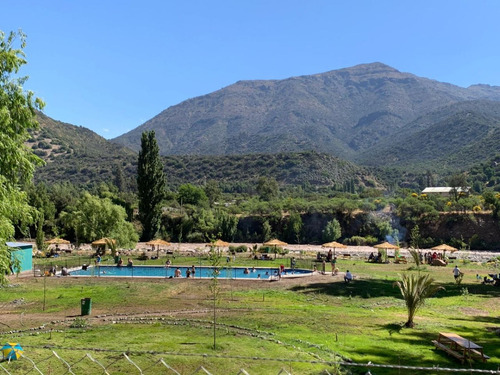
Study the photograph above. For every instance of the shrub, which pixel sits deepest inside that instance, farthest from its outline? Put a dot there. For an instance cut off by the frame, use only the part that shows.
(238, 249)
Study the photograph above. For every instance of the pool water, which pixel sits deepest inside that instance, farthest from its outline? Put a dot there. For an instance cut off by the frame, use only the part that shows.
(200, 272)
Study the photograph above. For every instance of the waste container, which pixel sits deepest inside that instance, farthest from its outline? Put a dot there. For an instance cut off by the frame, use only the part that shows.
(86, 306)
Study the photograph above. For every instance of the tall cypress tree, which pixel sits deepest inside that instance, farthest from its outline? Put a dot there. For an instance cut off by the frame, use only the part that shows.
(151, 185)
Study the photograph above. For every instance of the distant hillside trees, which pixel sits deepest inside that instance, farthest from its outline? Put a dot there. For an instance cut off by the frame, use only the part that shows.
(150, 185)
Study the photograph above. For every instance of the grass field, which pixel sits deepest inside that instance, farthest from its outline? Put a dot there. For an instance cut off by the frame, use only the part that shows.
(303, 325)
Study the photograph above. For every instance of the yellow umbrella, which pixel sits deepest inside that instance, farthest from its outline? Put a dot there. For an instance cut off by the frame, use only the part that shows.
(386, 245)
(275, 242)
(219, 243)
(12, 351)
(158, 242)
(57, 241)
(103, 241)
(334, 245)
(444, 247)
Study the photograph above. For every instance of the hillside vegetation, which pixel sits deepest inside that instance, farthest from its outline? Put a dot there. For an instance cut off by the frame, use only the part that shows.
(369, 113)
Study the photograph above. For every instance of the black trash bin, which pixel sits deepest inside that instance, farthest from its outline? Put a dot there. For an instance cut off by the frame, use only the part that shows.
(86, 306)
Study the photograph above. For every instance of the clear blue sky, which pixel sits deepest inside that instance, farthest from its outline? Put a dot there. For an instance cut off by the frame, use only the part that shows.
(112, 65)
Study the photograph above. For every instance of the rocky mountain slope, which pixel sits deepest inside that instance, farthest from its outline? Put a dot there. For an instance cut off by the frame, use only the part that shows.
(343, 113)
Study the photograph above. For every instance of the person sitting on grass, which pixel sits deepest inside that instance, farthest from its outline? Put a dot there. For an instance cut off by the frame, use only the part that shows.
(348, 276)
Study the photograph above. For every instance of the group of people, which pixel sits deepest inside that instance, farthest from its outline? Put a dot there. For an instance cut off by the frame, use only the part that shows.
(53, 271)
(372, 258)
(190, 272)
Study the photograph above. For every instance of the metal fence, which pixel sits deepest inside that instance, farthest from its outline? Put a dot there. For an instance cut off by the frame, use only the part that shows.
(47, 361)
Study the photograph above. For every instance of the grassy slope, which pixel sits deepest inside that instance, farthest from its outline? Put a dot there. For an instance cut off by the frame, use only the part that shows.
(361, 321)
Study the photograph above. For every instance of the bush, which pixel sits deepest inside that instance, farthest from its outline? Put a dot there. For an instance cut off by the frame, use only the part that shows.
(360, 241)
(238, 249)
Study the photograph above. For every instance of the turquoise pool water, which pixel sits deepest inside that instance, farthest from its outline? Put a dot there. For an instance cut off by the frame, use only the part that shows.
(200, 272)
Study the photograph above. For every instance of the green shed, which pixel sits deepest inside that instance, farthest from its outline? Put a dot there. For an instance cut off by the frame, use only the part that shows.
(24, 253)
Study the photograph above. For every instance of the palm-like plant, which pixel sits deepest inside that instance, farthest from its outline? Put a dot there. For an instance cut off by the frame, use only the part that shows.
(415, 289)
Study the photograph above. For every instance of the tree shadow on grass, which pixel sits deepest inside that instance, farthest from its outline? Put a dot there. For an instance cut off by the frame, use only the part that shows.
(358, 288)
(371, 288)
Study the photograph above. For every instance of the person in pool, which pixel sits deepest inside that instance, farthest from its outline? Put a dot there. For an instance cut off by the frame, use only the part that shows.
(177, 272)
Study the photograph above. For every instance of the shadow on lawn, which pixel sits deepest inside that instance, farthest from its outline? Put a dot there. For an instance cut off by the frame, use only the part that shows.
(371, 288)
(358, 288)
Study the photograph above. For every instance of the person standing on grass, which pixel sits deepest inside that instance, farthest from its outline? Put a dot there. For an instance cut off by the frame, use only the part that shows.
(334, 265)
(456, 272)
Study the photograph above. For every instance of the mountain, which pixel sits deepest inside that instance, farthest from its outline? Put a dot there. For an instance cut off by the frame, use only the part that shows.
(243, 171)
(80, 156)
(341, 112)
(453, 137)
(77, 154)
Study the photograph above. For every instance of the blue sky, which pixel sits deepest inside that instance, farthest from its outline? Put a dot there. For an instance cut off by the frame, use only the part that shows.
(112, 65)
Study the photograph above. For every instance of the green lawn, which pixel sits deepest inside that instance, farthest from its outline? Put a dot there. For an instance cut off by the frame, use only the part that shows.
(263, 327)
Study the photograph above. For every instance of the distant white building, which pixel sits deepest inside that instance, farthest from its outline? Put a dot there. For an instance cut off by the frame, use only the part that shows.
(444, 191)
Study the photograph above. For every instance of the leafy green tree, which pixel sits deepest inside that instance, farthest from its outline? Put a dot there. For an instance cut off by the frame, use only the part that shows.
(415, 237)
(93, 218)
(294, 227)
(150, 185)
(332, 231)
(17, 162)
(492, 200)
(226, 225)
(266, 231)
(459, 184)
(267, 188)
(190, 194)
(415, 289)
(212, 191)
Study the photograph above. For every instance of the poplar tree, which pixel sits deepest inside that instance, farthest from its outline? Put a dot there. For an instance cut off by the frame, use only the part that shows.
(150, 185)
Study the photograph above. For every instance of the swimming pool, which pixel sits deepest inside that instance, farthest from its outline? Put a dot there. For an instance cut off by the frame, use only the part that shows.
(200, 272)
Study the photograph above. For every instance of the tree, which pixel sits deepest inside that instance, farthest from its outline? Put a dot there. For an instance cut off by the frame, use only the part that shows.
(17, 162)
(150, 185)
(332, 231)
(190, 194)
(267, 188)
(294, 227)
(459, 184)
(93, 218)
(266, 231)
(212, 191)
(415, 289)
(226, 225)
(415, 237)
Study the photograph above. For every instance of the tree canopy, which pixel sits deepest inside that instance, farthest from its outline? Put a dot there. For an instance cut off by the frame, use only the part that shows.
(17, 164)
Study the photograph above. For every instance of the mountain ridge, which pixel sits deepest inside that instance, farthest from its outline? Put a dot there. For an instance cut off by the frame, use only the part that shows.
(339, 112)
